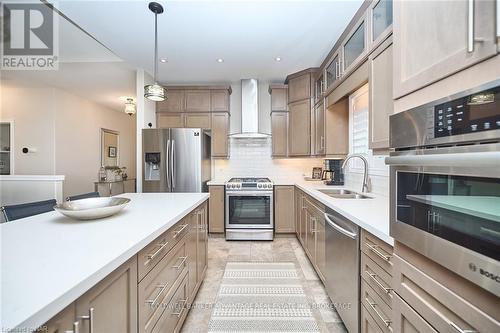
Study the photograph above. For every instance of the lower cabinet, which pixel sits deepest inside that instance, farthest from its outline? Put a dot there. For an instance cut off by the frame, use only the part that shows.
(159, 302)
(216, 208)
(284, 220)
(311, 233)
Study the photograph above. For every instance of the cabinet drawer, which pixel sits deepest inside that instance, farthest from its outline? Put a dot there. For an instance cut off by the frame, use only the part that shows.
(377, 308)
(379, 251)
(175, 311)
(406, 320)
(437, 304)
(153, 290)
(154, 252)
(368, 324)
(377, 278)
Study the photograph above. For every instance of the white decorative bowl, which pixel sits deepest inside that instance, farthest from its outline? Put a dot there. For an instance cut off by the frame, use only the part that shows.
(92, 208)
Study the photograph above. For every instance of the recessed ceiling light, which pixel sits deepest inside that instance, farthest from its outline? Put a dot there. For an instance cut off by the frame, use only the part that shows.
(163, 60)
(220, 60)
(277, 59)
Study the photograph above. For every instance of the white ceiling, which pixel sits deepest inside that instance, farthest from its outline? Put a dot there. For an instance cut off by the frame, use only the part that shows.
(248, 35)
(86, 68)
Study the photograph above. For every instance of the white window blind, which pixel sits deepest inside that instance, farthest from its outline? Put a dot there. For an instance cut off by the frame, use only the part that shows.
(358, 134)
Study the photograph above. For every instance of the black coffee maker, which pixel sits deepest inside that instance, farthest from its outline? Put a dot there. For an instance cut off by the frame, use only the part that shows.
(332, 171)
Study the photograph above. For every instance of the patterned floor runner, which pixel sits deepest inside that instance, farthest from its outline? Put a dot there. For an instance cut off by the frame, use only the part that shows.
(261, 297)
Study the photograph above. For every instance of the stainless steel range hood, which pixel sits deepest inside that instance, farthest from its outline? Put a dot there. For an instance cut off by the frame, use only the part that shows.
(249, 110)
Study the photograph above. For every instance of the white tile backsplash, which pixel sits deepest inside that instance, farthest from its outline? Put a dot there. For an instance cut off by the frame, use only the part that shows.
(252, 158)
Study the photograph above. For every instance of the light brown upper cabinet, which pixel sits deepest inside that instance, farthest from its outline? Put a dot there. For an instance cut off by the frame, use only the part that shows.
(337, 123)
(173, 103)
(169, 120)
(220, 132)
(299, 128)
(381, 102)
(319, 87)
(355, 46)
(279, 129)
(197, 120)
(434, 39)
(299, 87)
(279, 97)
(219, 100)
(333, 70)
(197, 100)
(319, 129)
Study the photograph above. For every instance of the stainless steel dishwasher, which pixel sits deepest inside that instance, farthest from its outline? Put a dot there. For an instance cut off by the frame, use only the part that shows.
(342, 268)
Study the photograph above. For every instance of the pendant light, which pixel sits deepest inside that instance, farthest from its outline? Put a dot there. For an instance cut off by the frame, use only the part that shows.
(155, 92)
(130, 106)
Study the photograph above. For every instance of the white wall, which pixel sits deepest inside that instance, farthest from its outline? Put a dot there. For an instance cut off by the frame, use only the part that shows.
(65, 131)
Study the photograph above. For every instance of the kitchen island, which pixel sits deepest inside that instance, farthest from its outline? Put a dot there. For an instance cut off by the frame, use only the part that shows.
(49, 261)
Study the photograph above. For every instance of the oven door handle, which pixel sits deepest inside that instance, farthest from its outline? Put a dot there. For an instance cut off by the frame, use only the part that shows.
(479, 159)
(249, 194)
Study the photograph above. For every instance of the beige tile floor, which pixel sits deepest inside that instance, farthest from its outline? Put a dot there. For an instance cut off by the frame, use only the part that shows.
(288, 249)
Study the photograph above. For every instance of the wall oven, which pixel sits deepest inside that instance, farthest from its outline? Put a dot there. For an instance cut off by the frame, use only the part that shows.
(445, 183)
(249, 209)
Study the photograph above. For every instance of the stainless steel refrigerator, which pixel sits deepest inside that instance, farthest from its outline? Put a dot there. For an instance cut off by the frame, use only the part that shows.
(176, 160)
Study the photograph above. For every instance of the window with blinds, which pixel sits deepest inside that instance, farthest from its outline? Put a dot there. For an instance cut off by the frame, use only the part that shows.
(358, 133)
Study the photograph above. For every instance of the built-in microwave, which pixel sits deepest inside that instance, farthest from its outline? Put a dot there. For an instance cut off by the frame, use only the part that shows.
(445, 183)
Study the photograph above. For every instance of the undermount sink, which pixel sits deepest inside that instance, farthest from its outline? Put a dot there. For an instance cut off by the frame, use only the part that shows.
(344, 194)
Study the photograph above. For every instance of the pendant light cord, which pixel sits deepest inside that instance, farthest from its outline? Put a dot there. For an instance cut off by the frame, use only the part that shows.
(156, 47)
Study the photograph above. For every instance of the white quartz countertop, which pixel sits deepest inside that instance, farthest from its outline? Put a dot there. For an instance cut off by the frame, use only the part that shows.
(49, 260)
(370, 214)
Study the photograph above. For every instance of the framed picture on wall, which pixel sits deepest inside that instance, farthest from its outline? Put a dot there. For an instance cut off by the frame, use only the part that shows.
(111, 152)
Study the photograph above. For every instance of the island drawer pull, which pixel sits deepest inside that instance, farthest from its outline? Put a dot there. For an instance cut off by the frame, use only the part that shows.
(182, 307)
(162, 288)
(151, 256)
(373, 305)
(374, 249)
(183, 260)
(373, 276)
(90, 318)
(176, 233)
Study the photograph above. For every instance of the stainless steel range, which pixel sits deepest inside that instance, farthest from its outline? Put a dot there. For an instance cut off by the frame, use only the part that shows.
(249, 209)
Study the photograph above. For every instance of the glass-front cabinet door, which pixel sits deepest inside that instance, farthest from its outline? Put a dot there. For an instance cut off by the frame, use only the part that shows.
(319, 87)
(355, 45)
(333, 71)
(381, 18)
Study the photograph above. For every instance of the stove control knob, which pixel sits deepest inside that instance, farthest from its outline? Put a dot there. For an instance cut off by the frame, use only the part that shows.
(270, 185)
(259, 185)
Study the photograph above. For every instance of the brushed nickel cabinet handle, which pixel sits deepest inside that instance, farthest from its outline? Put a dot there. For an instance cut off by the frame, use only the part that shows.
(183, 306)
(458, 329)
(373, 276)
(373, 305)
(183, 260)
(374, 249)
(90, 318)
(153, 301)
(176, 233)
(151, 256)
